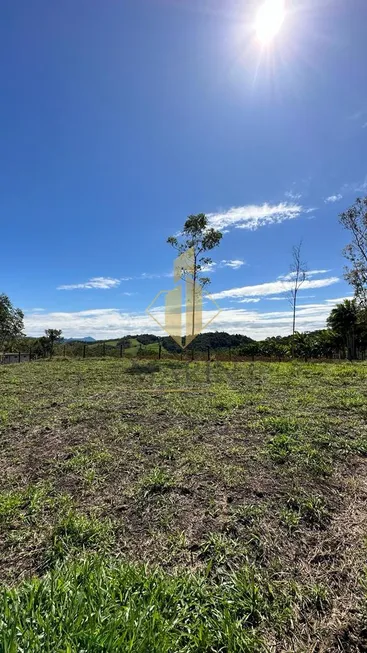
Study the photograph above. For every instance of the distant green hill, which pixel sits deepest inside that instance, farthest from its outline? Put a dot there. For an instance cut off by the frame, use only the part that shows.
(134, 345)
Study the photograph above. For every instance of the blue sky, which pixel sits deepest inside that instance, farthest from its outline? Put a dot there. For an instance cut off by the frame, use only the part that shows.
(119, 119)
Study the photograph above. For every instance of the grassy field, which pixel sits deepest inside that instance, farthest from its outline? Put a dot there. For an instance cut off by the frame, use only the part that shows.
(183, 508)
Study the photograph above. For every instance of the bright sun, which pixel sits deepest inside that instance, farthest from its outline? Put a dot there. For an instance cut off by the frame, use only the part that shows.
(269, 19)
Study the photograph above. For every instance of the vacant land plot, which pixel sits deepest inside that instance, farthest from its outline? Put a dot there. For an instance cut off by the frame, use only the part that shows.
(167, 507)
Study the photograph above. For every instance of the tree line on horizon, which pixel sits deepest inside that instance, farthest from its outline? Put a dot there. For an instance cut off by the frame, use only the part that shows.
(345, 335)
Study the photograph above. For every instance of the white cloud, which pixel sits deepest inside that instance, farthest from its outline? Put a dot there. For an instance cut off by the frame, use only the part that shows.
(338, 300)
(362, 186)
(272, 288)
(333, 198)
(98, 323)
(313, 273)
(209, 267)
(254, 216)
(310, 273)
(260, 325)
(106, 283)
(249, 300)
(154, 275)
(235, 264)
(356, 186)
(285, 298)
(292, 195)
(101, 283)
(114, 323)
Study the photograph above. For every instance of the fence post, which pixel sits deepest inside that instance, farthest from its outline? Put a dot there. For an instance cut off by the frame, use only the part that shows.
(64, 351)
(230, 353)
(30, 354)
(208, 353)
(104, 349)
(18, 356)
(159, 351)
(121, 350)
(84, 346)
(192, 354)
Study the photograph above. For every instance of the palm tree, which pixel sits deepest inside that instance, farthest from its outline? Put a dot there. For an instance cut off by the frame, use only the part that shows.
(302, 345)
(343, 320)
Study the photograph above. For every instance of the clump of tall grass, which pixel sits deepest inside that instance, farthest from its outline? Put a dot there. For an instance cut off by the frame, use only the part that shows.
(94, 604)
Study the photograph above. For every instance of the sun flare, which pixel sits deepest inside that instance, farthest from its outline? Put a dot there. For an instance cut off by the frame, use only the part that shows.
(269, 19)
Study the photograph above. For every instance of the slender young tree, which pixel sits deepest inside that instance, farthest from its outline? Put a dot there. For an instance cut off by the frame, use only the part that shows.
(297, 276)
(355, 220)
(53, 335)
(199, 237)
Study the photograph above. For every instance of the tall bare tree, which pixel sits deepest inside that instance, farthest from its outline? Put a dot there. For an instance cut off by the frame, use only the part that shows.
(355, 220)
(297, 276)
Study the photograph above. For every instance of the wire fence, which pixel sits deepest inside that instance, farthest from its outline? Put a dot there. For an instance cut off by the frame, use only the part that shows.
(80, 350)
(104, 350)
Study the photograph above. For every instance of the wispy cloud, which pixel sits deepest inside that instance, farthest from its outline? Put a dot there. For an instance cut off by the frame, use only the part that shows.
(357, 114)
(209, 267)
(272, 288)
(310, 273)
(362, 186)
(101, 283)
(333, 198)
(154, 275)
(253, 216)
(285, 298)
(355, 186)
(235, 264)
(338, 300)
(249, 300)
(292, 195)
(313, 273)
(106, 283)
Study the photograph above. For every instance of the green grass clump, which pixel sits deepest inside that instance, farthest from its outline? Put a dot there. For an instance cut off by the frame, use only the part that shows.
(156, 481)
(23, 505)
(311, 510)
(96, 605)
(75, 532)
